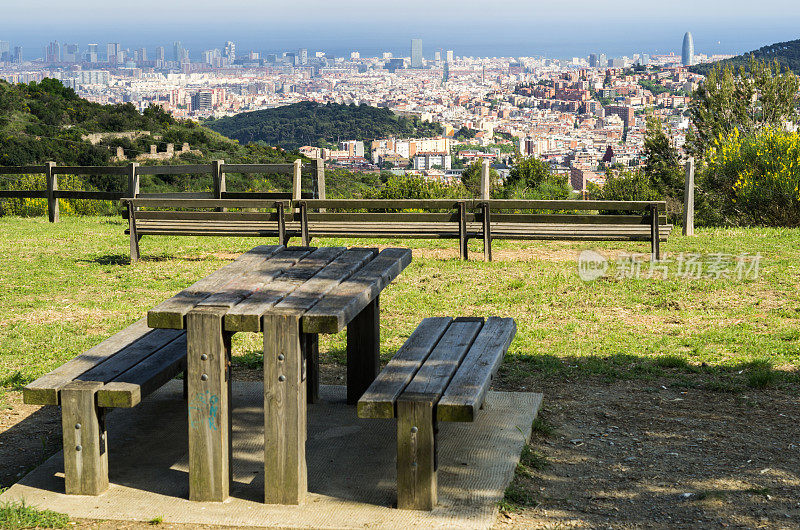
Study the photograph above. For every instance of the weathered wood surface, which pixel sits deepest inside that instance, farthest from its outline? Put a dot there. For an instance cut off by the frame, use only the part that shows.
(431, 380)
(184, 169)
(209, 387)
(206, 216)
(130, 355)
(285, 471)
(416, 455)
(379, 400)
(255, 278)
(246, 315)
(129, 388)
(309, 293)
(45, 390)
(171, 312)
(349, 298)
(258, 168)
(201, 203)
(84, 438)
(466, 391)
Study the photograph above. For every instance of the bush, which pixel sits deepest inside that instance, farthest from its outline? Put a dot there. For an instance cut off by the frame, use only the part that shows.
(754, 179)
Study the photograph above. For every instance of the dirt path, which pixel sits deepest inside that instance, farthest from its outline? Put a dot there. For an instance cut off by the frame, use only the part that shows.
(628, 454)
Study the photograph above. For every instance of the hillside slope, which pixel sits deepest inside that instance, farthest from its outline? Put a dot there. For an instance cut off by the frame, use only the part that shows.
(787, 54)
(309, 123)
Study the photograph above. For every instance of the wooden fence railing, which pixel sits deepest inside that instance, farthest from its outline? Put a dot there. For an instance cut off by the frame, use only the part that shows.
(133, 171)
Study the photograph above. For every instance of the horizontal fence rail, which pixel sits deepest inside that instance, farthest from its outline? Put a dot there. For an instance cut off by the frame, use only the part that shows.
(132, 172)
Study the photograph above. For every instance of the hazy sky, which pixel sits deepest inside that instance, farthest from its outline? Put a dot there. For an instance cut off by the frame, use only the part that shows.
(515, 26)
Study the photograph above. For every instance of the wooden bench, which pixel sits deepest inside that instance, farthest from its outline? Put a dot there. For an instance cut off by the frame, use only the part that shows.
(209, 217)
(466, 219)
(441, 373)
(118, 372)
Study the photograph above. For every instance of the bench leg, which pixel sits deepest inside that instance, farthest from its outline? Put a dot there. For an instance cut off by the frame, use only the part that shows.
(363, 351)
(285, 472)
(84, 436)
(208, 350)
(310, 342)
(416, 455)
(135, 237)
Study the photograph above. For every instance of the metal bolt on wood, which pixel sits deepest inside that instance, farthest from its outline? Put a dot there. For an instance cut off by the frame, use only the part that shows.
(204, 377)
(77, 425)
(204, 357)
(281, 357)
(281, 378)
(78, 447)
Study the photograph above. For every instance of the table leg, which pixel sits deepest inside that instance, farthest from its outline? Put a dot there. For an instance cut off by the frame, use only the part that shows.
(310, 342)
(209, 385)
(363, 351)
(285, 472)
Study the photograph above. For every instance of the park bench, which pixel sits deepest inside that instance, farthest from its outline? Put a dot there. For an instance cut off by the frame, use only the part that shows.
(263, 217)
(118, 372)
(466, 219)
(441, 373)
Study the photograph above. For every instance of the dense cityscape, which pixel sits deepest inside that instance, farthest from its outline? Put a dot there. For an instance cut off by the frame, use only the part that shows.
(580, 115)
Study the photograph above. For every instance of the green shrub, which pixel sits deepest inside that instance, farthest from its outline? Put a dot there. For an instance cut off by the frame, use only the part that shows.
(754, 179)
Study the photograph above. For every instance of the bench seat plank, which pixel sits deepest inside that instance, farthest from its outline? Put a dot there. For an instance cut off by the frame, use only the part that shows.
(129, 388)
(379, 399)
(466, 391)
(432, 378)
(246, 315)
(172, 312)
(45, 390)
(349, 298)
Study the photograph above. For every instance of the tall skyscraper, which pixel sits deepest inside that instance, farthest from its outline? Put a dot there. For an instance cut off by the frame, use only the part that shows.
(177, 51)
(91, 53)
(71, 53)
(113, 50)
(5, 50)
(448, 56)
(688, 49)
(446, 73)
(229, 51)
(54, 52)
(143, 54)
(437, 56)
(416, 53)
(593, 61)
(17, 55)
(303, 55)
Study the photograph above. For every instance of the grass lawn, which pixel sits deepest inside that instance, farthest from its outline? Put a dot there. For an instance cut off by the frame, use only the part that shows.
(67, 286)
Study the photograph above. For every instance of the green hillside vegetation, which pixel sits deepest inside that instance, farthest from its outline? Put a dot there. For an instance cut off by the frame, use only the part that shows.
(309, 123)
(786, 54)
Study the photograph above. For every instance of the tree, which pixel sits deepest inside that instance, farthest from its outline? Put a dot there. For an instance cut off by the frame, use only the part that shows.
(624, 186)
(531, 178)
(662, 161)
(747, 100)
(471, 178)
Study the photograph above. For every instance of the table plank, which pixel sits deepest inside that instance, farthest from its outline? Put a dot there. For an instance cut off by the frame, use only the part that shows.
(304, 297)
(465, 393)
(172, 312)
(249, 281)
(246, 315)
(349, 298)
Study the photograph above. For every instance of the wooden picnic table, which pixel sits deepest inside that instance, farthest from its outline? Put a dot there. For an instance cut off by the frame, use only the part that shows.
(291, 295)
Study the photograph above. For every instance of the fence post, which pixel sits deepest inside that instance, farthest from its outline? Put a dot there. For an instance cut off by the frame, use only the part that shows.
(688, 200)
(133, 180)
(52, 187)
(320, 165)
(297, 178)
(219, 180)
(485, 180)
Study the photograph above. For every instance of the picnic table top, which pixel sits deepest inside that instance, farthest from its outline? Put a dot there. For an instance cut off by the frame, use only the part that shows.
(326, 287)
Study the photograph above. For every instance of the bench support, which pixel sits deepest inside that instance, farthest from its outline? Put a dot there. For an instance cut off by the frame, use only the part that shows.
(310, 343)
(363, 351)
(655, 238)
(208, 370)
(285, 472)
(463, 249)
(416, 455)
(134, 235)
(487, 232)
(84, 437)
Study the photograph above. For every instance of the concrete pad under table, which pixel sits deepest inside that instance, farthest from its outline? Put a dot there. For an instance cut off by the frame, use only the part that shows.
(351, 467)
